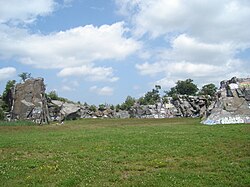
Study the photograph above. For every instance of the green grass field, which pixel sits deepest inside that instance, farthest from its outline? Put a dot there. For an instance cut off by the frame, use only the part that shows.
(131, 152)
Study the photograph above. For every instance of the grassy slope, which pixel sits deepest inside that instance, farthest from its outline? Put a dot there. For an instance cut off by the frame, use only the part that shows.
(132, 152)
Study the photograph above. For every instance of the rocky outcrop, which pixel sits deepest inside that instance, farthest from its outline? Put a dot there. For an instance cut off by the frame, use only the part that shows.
(181, 106)
(60, 111)
(232, 104)
(29, 101)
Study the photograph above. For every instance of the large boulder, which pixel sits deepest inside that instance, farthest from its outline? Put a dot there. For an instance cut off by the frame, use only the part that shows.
(232, 104)
(29, 101)
(60, 111)
(122, 114)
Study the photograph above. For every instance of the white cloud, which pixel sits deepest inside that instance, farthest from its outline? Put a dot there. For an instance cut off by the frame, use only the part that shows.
(204, 39)
(180, 68)
(185, 48)
(104, 91)
(90, 72)
(224, 20)
(24, 11)
(7, 72)
(165, 82)
(70, 48)
(189, 58)
(67, 88)
(69, 85)
(75, 51)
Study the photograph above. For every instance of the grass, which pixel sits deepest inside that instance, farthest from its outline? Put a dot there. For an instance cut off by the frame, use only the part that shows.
(131, 152)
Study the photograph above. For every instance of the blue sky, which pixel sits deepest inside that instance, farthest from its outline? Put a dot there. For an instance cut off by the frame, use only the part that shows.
(104, 50)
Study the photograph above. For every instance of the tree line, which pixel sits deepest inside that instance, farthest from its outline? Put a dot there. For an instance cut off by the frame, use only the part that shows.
(182, 87)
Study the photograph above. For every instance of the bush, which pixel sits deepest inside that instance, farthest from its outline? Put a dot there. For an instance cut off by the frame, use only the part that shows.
(129, 102)
(53, 95)
(208, 89)
(92, 108)
(151, 97)
(112, 107)
(1, 114)
(117, 108)
(102, 107)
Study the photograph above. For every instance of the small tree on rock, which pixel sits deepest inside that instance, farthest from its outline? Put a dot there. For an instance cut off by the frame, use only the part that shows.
(129, 102)
(24, 76)
(151, 97)
(53, 95)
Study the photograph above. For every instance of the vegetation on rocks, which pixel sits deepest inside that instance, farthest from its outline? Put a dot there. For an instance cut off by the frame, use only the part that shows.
(151, 97)
(186, 87)
(208, 89)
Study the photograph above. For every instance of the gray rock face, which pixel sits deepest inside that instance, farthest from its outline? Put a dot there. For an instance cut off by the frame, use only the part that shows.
(60, 111)
(182, 106)
(29, 102)
(122, 114)
(234, 107)
(231, 105)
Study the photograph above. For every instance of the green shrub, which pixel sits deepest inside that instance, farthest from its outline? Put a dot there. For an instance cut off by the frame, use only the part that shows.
(1, 114)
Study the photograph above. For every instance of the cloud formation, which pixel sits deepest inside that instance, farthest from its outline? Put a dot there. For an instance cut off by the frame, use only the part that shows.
(70, 48)
(104, 91)
(203, 39)
(90, 72)
(6, 73)
(210, 20)
(75, 51)
(25, 11)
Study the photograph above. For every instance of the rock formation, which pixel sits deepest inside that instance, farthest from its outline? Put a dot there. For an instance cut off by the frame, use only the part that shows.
(29, 101)
(181, 106)
(232, 104)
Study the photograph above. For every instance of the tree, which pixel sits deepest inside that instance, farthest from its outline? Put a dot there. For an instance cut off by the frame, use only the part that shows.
(53, 95)
(112, 107)
(24, 76)
(129, 102)
(117, 108)
(186, 87)
(151, 97)
(102, 107)
(208, 89)
(172, 92)
(92, 108)
(7, 98)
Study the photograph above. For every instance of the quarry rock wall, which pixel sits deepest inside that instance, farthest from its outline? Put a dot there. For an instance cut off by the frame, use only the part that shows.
(231, 105)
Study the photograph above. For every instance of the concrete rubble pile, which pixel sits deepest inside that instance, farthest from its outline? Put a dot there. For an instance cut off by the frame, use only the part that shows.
(232, 103)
